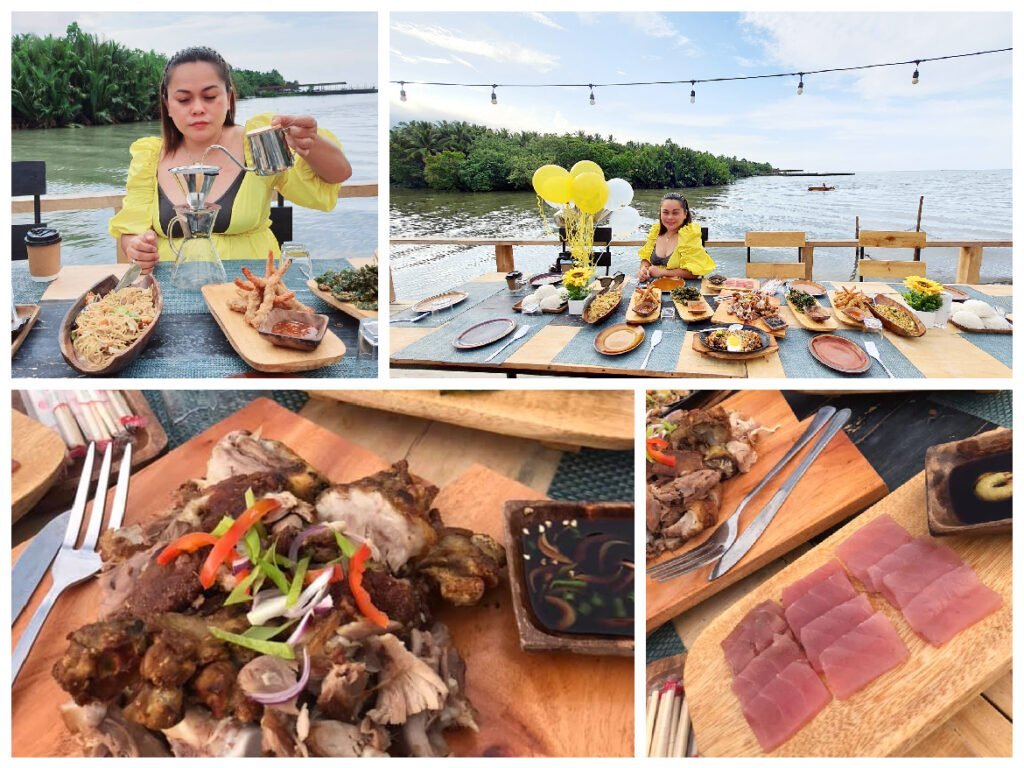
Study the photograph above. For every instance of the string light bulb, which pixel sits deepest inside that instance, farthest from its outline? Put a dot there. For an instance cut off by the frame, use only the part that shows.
(494, 96)
(593, 101)
(693, 91)
(401, 94)
(800, 86)
(917, 75)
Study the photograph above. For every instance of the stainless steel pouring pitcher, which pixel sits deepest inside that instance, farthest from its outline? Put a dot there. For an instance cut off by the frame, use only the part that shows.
(269, 149)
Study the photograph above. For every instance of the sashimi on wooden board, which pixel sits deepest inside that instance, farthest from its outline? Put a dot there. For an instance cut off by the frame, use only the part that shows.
(840, 483)
(543, 705)
(897, 710)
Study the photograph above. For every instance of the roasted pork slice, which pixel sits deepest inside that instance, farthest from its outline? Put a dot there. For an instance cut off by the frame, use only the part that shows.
(390, 511)
(861, 655)
(242, 453)
(785, 705)
(463, 565)
(871, 543)
(904, 572)
(950, 604)
(793, 592)
(819, 600)
(818, 635)
(766, 666)
(755, 632)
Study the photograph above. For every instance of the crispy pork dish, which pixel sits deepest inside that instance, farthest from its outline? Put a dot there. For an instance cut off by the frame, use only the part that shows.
(272, 613)
(689, 455)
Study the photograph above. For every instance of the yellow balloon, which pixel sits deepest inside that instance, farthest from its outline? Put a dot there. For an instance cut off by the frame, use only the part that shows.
(586, 166)
(589, 192)
(551, 182)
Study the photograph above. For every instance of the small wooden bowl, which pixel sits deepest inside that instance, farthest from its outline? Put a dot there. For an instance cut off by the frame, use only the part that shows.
(881, 300)
(102, 288)
(532, 635)
(319, 322)
(940, 462)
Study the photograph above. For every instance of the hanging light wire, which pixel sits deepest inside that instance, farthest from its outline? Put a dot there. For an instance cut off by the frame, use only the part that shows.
(800, 86)
(917, 75)
(693, 83)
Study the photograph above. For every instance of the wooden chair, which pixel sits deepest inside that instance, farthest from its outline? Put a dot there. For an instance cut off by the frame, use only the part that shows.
(801, 268)
(28, 177)
(598, 258)
(877, 268)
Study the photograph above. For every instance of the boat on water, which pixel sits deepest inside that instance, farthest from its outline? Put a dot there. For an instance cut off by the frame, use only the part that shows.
(820, 188)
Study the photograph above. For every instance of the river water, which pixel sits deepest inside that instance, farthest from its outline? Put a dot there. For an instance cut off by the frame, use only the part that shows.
(94, 160)
(958, 205)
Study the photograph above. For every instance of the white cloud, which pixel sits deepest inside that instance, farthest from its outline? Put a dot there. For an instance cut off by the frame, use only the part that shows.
(463, 62)
(544, 19)
(658, 26)
(500, 51)
(418, 59)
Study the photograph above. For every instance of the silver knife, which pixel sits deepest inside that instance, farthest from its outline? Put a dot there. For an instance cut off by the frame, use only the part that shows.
(34, 562)
(758, 525)
(129, 277)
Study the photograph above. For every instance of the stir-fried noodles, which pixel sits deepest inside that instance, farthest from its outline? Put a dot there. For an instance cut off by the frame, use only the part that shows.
(108, 325)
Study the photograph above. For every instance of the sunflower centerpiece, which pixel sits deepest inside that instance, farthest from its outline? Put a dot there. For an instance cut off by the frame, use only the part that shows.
(925, 297)
(577, 282)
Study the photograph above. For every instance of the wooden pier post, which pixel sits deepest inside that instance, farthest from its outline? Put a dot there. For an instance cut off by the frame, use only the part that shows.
(968, 268)
(504, 257)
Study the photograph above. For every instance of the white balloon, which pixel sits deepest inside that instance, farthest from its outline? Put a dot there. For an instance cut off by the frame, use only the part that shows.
(624, 222)
(620, 193)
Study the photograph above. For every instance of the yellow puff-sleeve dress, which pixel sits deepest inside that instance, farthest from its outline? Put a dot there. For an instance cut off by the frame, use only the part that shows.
(689, 253)
(248, 234)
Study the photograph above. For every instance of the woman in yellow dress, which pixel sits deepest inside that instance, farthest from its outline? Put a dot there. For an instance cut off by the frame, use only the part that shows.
(197, 110)
(673, 247)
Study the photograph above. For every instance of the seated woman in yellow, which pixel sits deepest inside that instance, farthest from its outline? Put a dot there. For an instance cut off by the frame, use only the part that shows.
(673, 247)
(197, 110)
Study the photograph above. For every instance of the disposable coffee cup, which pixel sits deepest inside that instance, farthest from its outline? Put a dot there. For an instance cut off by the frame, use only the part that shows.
(43, 246)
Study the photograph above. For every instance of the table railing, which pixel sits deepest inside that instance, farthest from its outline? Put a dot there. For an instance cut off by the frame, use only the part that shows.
(968, 270)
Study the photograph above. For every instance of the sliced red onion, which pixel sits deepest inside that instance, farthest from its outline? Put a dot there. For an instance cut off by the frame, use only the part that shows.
(267, 610)
(265, 594)
(305, 533)
(324, 606)
(240, 564)
(312, 595)
(280, 697)
(295, 636)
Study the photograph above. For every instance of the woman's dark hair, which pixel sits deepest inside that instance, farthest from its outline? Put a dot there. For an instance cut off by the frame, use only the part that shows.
(686, 207)
(171, 135)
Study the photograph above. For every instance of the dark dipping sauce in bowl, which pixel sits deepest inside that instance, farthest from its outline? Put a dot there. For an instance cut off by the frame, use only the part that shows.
(967, 505)
(579, 575)
(295, 328)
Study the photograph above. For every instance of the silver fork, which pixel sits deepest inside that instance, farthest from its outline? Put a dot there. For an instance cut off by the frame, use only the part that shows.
(74, 564)
(725, 535)
(872, 350)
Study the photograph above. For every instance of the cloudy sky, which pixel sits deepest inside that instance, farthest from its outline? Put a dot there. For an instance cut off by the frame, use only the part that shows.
(957, 117)
(308, 47)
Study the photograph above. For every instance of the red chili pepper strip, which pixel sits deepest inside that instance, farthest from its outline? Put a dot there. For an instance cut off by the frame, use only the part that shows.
(654, 446)
(226, 544)
(190, 542)
(336, 576)
(356, 569)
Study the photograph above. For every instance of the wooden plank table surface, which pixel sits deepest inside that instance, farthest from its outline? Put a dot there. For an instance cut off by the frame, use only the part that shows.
(179, 344)
(940, 353)
(893, 431)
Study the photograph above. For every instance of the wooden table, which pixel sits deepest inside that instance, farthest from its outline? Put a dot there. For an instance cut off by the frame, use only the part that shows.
(940, 353)
(892, 431)
(187, 340)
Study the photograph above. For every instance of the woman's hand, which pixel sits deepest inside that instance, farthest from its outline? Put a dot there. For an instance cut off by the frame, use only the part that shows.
(656, 272)
(142, 250)
(301, 133)
(644, 273)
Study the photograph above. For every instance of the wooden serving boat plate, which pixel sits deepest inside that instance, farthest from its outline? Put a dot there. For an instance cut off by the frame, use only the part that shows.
(348, 308)
(813, 325)
(898, 709)
(881, 300)
(965, 329)
(28, 314)
(102, 288)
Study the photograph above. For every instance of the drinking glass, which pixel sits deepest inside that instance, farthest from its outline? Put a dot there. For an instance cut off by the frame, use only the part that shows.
(299, 254)
(368, 338)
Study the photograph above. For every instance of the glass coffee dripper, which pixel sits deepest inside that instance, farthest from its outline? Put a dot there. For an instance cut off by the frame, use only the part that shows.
(196, 260)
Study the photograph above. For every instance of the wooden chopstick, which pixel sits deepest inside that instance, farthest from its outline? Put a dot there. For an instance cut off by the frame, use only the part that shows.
(669, 731)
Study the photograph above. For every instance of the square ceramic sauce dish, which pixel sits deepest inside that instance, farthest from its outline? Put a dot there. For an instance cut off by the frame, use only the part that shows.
(294, 329)
(571, 572)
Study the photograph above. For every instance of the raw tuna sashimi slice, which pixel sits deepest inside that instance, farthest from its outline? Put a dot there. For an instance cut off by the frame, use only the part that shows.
(870, 544)
(820, 634)
(766, 666)
(864, 653)
(785, 705)
(953, 602)
(800, 587)
(819, 600)
(901, 574)
(755, 632)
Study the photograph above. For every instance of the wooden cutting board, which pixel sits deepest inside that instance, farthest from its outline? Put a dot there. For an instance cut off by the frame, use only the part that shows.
(40, 452)
(498, 676)
(589, 418)
(635, 319)
(838, 484)
(898, 709)
(348, 308)
(812, 325)
(688, 316)
(725, 317)
(257, 351)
